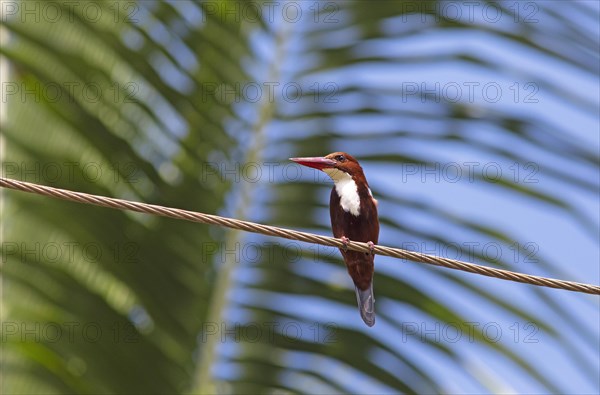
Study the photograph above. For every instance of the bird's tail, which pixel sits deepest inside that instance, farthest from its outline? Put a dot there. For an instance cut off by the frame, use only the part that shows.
(366, 304)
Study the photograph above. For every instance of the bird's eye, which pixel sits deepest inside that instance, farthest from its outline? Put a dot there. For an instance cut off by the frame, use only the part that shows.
(340, 158)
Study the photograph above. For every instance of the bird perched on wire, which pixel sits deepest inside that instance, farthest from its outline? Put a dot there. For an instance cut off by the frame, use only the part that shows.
(353, 213)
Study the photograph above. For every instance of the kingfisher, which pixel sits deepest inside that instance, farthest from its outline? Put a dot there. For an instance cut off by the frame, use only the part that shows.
(353, 211)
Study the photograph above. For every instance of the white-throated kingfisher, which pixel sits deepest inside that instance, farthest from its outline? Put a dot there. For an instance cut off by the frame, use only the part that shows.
(353, 213)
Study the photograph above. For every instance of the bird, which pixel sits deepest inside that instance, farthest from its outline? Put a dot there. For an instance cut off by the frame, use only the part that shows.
(353, 211)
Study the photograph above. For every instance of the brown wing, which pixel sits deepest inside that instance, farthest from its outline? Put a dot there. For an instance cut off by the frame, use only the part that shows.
(361, 267)
(363, 227)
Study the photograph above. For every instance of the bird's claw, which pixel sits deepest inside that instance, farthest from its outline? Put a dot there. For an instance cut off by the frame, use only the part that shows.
(345, 242)
(371, 247)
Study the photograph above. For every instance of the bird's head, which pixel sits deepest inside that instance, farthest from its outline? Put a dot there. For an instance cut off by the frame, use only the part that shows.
(337, 165)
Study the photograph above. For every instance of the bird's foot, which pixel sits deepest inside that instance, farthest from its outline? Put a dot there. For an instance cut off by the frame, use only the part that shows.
(345, 242)
(371, 247)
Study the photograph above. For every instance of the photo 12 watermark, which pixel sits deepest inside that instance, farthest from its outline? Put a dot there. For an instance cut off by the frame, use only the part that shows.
(517, 252)
(255, 332)
(467, 11)
(470, 171)
(264, 252)
(470, 92)
(69, 92)
(69, 11)
(69, 252)
(326, 12)
(68, 331)
(469, 332)
(49, 172)
(270, 91)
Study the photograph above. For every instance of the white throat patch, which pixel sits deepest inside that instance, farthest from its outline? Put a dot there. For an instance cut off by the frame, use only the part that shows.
(346, 189)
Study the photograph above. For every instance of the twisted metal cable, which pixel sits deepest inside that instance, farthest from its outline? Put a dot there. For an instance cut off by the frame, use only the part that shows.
(295, 235)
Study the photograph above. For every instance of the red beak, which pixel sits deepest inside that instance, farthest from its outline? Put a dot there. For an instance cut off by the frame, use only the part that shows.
(315, 162)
